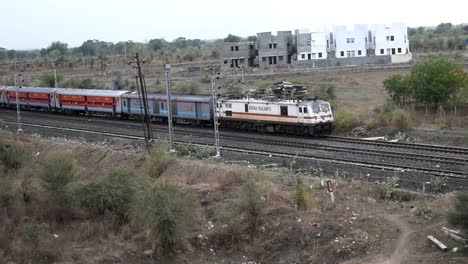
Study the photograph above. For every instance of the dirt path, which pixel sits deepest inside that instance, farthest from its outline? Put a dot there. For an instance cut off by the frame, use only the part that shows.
(400, 251)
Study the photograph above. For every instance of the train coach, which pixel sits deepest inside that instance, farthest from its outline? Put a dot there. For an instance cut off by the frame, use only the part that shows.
(194, 109)
(305, 117)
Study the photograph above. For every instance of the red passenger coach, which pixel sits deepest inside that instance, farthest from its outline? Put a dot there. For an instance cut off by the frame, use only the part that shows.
(84, 100)
(32, 97)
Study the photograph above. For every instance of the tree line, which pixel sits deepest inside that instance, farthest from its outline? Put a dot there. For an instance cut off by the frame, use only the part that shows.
(94, 47)
(444, 36)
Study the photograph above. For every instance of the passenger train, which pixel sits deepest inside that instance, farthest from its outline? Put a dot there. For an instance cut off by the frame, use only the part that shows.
(304, 117)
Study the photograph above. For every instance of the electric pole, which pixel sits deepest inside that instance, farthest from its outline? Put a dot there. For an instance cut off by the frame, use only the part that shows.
(55, 78)
(214, 96)
(169, 107)
(143, 97)
(18, 108)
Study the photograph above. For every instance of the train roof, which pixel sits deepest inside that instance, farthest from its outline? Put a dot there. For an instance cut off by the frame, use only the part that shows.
(276, 101)
(162, 96)
(30, 89)
(91, 92)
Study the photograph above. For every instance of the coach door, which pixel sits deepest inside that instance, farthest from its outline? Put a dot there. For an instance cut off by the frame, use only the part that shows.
(300, 114)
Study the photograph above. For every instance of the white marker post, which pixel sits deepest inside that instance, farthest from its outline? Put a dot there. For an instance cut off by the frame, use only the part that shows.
(330, 189)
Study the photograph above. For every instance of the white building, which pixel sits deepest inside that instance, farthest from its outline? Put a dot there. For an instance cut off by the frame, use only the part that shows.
(390, 40)
(318, 45)
(351, 42)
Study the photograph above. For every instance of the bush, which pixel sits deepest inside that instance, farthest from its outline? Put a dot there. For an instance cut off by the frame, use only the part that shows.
(459, 215)
(249, 205)
(7, 192)
(167, 213)
(345, 120)
(57, 174)
(401, 119)
(12, 154)
(198, 152)
(157, 160)
(112, 193)
(302, 196)
(48, 79)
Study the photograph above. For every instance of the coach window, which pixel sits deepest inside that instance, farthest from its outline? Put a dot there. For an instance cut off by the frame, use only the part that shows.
(246, 108)
(300, 109)
(162, 105)
(284, 110)
(315, 108)
(305, 110)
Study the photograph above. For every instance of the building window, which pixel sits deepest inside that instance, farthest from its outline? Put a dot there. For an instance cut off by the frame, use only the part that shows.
(308, 42)
(392, 38)
(302, 56)
(228, 105)
(342, 53)
(393, 51)
(365, 39)
(274, 45)
(399, 50)
(308, 56)
(241, 60)
(352, 40)
(314, 56)
(280, 58)
(359, 53)
(271, 46)
(328, 44)
(264, 59)
(232, 48)
(225, 61)
(381, 51)
(388, 38)
(237, 48)
(320, 54)
(348, 40)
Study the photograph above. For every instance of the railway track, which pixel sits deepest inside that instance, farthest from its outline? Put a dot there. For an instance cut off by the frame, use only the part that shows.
(414, 146)
(359, 149)
(273, 153)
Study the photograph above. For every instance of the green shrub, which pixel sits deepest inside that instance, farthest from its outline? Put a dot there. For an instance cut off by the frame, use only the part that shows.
(113, 193)
(302, 196)
(459, 215)
(57, 175)
(7, 192)
(345, 120)
(157, 160)
(401, 119)
(198, 152)
(381, 120)
(167, 213)
(249, 205)
(12, 153)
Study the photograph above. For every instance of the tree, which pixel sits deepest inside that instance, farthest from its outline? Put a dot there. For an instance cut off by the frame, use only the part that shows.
(58, 46)
(48, 79)
(252, 38)
(157, 44)
(398, 87)
(3, 53)
(436, 81)
(421, 30)
(232, 38)
(444, 28)
(459, 216)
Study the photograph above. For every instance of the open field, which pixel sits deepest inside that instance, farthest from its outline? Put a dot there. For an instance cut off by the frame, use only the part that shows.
(368, 224)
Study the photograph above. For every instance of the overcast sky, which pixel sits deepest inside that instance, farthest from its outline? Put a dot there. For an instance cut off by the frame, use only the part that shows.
(27, 24)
